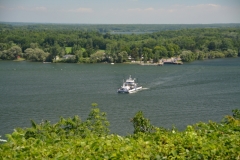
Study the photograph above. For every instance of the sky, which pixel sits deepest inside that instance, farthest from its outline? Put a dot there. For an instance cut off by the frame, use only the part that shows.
(121, 11)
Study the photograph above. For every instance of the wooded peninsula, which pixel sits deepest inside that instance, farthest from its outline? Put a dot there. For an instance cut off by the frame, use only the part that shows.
(117, 43)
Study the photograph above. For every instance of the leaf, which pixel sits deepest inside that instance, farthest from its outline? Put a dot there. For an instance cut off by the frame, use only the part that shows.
(174, 153)
(33, 124)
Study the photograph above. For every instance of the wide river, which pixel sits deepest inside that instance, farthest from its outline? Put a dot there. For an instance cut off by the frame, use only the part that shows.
(173, 95)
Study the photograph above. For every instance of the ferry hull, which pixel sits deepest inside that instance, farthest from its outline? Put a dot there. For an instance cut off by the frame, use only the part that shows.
(130, 90)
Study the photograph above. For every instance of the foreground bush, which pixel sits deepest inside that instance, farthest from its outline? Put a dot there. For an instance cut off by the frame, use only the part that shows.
(73, 139)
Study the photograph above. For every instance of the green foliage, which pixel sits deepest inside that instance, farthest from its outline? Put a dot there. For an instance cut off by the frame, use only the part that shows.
(35, 54)
(97, 121)
(56, 50)
(187, 56)
(154, 42)
(160, 52)
(141, 124)
(12, 53)
(122, 57)
(75, 139)
(3, 46)
(230, 53)
(99, 56)
(236, 114)
(215, 54)
(84, 60)
(68, 50)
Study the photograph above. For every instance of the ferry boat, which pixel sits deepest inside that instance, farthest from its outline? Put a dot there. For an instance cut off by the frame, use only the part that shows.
(129, 86)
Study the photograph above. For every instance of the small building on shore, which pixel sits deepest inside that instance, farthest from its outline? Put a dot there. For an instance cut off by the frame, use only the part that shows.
(68, 56)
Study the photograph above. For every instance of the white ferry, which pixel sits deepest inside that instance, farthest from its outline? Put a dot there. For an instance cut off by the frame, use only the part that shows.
(129, 86)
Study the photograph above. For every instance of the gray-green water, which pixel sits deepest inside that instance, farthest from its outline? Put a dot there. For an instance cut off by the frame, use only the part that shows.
(175, 94)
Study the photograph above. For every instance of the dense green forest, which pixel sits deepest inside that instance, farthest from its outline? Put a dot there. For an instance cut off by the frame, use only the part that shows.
(106, 28)
(72, 138)
(89, 43)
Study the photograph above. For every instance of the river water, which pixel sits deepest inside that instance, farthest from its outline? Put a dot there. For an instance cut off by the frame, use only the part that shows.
(173, 95)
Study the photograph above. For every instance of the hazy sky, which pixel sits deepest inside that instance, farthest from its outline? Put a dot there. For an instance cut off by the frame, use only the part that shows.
(121, 11)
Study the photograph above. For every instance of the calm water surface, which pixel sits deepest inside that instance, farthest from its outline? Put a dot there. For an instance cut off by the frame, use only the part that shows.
(174, 95)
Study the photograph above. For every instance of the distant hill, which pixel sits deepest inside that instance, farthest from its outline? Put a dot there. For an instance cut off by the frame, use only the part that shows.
(115, 28)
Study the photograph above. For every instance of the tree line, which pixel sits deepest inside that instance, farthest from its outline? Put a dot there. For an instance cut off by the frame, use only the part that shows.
(48, 42)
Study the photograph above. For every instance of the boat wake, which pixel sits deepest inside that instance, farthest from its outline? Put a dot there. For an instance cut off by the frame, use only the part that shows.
(172, 77)
(161, 81)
